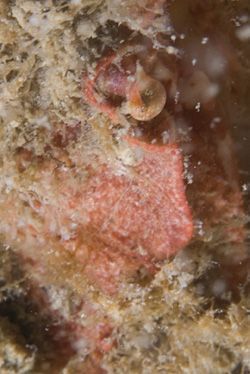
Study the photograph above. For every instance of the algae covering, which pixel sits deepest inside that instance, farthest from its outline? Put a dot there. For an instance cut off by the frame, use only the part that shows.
(82, 293)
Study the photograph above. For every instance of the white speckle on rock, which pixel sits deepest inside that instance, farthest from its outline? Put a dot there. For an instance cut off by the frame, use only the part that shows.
(194, 61)
(172, 50)
(244, 187)
(204, 40)
(165, 137)
(198, 107)
(176, 97)
(215, 122)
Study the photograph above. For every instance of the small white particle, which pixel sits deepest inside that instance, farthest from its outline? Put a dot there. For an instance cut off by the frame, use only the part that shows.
(217, 119)
(177, 96)
(215, 122)
(244, 187)
(204, 40)
(198, 107)
(165, 137)
(189, 178)
(171, 50)
(194, 61)
(236, 22)
(199, 227)
(130, 78)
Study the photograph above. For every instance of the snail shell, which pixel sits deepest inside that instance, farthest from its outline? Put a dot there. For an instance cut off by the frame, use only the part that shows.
(146, 97)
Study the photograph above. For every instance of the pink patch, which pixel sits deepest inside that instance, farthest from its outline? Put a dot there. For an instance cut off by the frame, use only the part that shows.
(135, 218)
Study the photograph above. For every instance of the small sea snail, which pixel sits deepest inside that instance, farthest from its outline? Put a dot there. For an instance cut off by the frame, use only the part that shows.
(146, 97)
